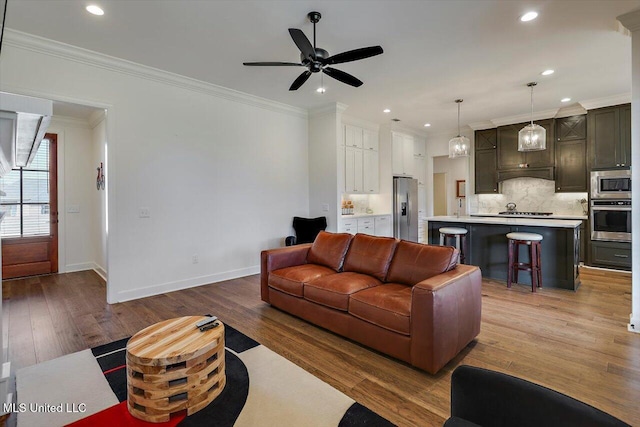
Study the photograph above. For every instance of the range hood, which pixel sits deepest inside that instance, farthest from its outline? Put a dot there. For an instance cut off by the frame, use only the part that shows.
(23, 123)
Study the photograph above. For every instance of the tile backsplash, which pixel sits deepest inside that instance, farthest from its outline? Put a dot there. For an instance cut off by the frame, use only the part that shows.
(530, 195)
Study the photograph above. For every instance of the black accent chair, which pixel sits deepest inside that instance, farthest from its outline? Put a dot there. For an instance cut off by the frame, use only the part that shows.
(480, 397)
(306, 230)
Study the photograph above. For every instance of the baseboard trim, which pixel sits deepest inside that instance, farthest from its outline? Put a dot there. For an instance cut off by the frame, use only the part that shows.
(183, 284)
(82, 266)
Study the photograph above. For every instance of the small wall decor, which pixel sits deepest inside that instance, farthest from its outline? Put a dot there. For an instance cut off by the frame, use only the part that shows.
(100, 178)
(461, 188)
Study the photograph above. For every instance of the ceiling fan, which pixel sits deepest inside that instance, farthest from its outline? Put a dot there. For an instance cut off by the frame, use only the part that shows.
(318, 60)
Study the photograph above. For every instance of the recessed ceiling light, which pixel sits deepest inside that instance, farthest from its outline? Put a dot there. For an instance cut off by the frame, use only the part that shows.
(547, 72)
(386, 110)
(321, 90)
(427, 125)
(565, 100)
(95, 10)
(529, 16)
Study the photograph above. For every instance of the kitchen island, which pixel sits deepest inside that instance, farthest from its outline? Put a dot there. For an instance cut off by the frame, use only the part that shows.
(487, 246)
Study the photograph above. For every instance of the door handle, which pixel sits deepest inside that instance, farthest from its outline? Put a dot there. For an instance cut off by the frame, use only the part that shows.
(620, 256)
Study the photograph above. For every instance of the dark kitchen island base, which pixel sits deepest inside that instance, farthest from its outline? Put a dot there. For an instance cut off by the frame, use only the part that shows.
(487, 248)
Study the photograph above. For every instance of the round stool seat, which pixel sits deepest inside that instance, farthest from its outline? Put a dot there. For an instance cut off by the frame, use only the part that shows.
(453, 230)
(531, 237)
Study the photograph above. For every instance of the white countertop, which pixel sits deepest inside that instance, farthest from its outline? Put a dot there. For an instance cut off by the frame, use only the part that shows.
(502, 220)
(554, 216)
(363, 215)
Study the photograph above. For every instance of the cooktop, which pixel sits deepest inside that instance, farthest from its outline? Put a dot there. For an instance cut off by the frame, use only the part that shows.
(525, 213)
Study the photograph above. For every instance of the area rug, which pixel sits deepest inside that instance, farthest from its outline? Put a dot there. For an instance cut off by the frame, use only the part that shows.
(88, 388)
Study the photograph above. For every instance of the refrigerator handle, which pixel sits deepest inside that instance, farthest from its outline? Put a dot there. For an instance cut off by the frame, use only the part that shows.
(408, 209)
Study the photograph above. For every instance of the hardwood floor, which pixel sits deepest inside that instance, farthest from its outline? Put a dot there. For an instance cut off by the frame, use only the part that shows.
(575, 343)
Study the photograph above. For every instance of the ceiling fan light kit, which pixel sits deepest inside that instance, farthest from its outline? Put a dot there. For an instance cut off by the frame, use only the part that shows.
(317, 60)
(532, 137)
(459, 145)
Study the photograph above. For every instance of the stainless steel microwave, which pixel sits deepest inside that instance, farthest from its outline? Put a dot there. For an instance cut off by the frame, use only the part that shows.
(611, 184)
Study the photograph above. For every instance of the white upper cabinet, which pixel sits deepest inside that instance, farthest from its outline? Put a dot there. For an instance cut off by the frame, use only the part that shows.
(362, 174)
(402, 147)
(419, 148)
(353, 136)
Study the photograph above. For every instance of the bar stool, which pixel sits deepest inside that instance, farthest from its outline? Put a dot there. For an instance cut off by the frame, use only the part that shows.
(533, 241)
(460, 236)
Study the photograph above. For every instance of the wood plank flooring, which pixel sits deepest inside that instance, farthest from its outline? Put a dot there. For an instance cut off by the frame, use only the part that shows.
(575, 343)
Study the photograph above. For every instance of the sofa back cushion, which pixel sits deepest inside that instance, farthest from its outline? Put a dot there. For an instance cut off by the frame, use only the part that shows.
(370, 255)
(329, 249)
(415, 262)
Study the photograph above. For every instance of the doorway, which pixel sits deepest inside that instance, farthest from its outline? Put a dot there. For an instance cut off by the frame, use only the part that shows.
(440, 194)
(29, 228)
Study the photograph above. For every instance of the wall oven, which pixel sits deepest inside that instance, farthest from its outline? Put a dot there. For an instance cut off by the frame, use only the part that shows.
(612, 184)
(611, 220)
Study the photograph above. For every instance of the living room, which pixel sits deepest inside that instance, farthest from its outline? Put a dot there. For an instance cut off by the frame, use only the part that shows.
(220, 172)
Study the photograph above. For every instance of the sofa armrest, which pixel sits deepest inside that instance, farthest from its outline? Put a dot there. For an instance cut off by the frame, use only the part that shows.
(274, 259)
(445, 316)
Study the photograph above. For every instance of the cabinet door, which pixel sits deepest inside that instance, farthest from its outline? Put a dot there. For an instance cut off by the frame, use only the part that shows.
(349, 226)
(571, 166)
(604, 137)
(397, 144)
(366, 226)
(543, 158)
(407, 155)
(571, 128)
(508, 155)
(485, 174)
(353, 170)
(353, 136)
(419, 169)
(383, 226)
(419, 148)
(371, 175)
(486, 139)
(369, 139)
(625, 136)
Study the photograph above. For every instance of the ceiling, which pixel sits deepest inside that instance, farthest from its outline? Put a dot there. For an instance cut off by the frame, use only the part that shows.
(435, 51)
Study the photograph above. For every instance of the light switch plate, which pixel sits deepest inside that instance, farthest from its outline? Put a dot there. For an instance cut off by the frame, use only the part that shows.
(144, 212)
(325, 207)
(73, 209)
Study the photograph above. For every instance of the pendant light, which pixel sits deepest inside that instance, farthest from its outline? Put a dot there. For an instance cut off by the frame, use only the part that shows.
(459, 146)
(532, 137)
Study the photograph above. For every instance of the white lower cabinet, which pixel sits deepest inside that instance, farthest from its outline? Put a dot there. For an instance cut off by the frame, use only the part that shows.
(375, 225)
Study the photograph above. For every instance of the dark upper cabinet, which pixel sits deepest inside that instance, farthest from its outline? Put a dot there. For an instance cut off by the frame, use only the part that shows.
(510, 158)
(485, 161)
(571, 154)
(610, 137)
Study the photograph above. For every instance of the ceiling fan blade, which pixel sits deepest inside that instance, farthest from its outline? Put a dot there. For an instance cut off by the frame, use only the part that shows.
(342, 76)
(354, 55)
(303, 43)
(272, 64)
(300, 80)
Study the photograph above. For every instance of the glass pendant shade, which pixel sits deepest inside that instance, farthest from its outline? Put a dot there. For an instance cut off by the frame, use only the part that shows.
(459, 145)
(532, 137)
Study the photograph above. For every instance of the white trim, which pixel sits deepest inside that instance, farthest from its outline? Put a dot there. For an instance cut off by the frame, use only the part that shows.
(621, 98)
(519, 118)
(183, 284)
(81, 266)
(333, 108)
(631, 20)
(97, 117)
(65, 121)
(73, 53)
(349, 120)
(634, 324)
(487, 124)
(572, 110)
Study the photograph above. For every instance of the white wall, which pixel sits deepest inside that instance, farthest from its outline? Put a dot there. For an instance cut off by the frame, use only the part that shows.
(222, 173)
(456, 169)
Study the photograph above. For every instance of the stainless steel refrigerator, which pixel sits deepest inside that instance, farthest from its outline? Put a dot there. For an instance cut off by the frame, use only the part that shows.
(405, 208)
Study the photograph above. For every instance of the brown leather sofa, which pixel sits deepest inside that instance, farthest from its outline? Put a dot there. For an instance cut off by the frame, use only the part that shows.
(408, 300)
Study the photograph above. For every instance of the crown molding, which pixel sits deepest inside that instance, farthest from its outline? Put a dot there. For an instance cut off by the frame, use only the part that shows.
(540, 115)
(96, 117)
(57, 49)
(333, 108)
(66, 121)
(622, 98)
(571, 110)
(355, 121)
(631, 20)
(487, 124)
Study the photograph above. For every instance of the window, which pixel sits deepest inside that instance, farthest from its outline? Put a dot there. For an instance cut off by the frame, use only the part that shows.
(26, 202)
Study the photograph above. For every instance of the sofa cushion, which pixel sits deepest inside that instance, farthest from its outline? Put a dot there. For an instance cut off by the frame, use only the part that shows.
(387, 306)
(329, 249)
(415, 262)
(334, 290)
(291, 280)
(370, 255)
